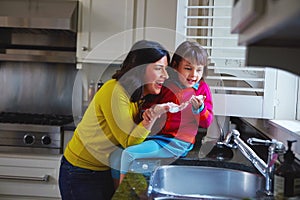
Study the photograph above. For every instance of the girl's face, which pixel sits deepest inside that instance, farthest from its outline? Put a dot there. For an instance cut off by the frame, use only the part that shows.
(155, 76)
(189, 74)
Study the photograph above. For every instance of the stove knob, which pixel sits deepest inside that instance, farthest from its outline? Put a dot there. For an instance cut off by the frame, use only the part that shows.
(46, 140)
(28, 139)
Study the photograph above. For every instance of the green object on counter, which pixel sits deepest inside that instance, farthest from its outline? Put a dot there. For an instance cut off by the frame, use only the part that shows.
(134, 187)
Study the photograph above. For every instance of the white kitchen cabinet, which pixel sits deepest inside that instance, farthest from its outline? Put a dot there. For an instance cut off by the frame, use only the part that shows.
(29, 176)
(156, 20)
(108, 28)
(105, 30)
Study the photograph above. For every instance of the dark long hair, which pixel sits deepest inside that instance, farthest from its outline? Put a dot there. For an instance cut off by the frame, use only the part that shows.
(133, 68)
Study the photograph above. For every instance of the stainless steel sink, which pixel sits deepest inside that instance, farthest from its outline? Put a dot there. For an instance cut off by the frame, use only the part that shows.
(200, 182)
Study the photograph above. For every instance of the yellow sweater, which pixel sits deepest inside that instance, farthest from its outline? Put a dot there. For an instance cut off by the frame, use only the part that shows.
(107, 123)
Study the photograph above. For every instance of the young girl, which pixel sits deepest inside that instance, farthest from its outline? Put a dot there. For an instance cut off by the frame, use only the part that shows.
(185, 87)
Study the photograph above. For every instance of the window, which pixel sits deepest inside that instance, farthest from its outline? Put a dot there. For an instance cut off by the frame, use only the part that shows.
(238, 90)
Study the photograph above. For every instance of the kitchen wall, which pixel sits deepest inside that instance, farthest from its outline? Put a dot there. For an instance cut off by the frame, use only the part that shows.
(98, 71)
(94, 72)
(37, 87)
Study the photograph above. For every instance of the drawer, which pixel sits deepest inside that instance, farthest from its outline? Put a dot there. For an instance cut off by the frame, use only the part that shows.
(34, 176)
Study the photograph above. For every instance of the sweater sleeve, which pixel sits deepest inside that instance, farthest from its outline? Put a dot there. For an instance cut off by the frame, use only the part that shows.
(206, 115)
(118, 111)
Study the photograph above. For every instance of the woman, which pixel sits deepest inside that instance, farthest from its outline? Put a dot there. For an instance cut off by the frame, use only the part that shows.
(112, 120)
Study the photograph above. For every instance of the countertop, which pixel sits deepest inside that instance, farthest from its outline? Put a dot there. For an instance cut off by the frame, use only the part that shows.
(69, 127)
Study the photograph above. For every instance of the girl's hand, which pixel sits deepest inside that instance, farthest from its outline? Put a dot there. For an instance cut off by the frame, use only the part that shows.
(197, 101)
(160, 109)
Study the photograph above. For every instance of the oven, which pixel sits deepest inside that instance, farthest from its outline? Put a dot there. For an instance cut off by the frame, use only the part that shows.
(32, 133)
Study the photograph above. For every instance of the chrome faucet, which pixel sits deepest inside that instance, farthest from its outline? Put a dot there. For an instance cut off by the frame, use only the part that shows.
(233, 140)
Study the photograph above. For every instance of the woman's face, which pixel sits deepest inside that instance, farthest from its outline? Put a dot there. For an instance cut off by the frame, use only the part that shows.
(189, 74)
(155, 76)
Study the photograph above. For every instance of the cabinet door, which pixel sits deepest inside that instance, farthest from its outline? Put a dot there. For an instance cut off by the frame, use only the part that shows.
(105, 30)
(29, 176)
(156, 20)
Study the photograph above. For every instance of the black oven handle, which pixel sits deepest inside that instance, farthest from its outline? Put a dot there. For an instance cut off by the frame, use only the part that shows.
(44, 178)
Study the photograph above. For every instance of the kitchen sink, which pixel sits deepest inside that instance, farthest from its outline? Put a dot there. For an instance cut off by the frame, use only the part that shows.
(201, 182)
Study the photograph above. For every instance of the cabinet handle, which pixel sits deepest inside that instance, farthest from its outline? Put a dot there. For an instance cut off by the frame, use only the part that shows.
(84, 48)
(44, 178)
